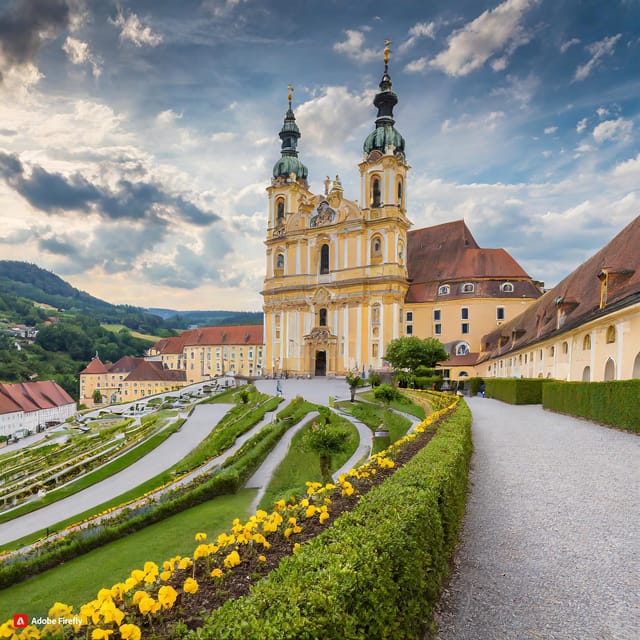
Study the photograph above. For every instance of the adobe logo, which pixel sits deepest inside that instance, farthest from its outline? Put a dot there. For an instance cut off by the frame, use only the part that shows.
(20, 621)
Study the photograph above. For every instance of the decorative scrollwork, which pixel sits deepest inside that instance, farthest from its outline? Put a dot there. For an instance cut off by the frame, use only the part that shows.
(325, 215)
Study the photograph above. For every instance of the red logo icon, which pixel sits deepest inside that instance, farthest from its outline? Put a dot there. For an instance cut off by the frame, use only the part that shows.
(20, 620)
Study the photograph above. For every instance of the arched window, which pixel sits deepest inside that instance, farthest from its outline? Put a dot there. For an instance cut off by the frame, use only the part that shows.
(565, 347)
(324, 258)
(280, 261)
(376, 249)
(586, 374)
(322, 317)
(611, 334)
(444, 290)
(400, 192)
(586, 342)
(375, 314)
(462, 349)
(375, 192)
(506, 287)
(636, 367)
(280, 210)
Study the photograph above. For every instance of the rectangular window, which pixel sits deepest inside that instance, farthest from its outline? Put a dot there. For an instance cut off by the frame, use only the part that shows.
(464, 313)
(465, 327)
(437, 329)
(374, 350)
(499, 313)
(409, 329)
(400, 316)
(436, 315)
(409, 316)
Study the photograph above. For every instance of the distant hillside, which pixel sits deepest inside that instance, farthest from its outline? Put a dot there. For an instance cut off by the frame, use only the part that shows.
(184, 319)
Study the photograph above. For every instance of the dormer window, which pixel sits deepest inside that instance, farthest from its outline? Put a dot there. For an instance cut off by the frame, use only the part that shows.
(468, 287)
(507, 287)
(444, 290)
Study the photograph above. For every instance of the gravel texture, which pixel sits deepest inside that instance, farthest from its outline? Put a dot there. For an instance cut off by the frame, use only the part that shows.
(550, 547)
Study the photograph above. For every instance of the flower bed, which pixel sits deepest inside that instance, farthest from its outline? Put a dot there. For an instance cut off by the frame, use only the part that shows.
(377, 568)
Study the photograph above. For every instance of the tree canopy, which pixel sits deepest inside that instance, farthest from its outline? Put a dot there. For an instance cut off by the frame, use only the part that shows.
(410, 352)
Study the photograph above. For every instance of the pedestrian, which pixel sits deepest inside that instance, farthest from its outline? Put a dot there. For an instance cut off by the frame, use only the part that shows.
(278, 388)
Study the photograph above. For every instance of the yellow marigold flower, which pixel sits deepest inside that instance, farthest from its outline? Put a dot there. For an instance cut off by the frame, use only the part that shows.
(101, 634)
(216, 573)
(130, 632)
(185, 563)
(262, 559)
(280, 505)
(296, 547)
(167, 596)
(137, 575)
(110, 613)
(311, 511)
(148, 605)
(297, 529)
(201, 536)
(202, 551)
(190, 586)
(261, 515)
(232, 560)
(304, 503)
(165, 575)
(291, 520)
(60, 610)
(30, 633)
(138, 595)
(129, 584)
(118, 591)
(88, 611)
(287, 532)
(104, 595)
(324, 516)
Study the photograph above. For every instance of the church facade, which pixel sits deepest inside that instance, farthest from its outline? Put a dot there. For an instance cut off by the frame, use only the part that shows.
(345, 277)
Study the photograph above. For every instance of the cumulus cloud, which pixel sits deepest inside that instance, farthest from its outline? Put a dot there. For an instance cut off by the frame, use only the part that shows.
(132, 29)
(78, 52)
(598, 51)
(550, 130)
(53, 192)
(619, 129)
(602, 112)
(582, 125)
(168, 116)
(417, 66)
(419, 30)
(497, 30)
(629, 167)
(354, 48)
(28, 24)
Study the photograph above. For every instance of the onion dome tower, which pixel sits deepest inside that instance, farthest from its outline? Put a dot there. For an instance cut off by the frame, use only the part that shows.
(385, 133)
(289, 163)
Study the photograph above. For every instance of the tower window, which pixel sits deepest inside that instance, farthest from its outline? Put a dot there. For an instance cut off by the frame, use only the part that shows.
(322, 317)
(375, 314)
(324, 258)
(400, 192)
(280, 262)
(375, 192)
(280, 209)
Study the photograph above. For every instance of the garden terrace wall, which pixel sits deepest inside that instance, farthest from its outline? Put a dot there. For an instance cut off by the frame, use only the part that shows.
(377, 572)
(515, 390)
(614, 403)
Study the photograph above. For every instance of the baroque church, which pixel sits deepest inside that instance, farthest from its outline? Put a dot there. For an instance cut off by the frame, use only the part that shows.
(346, 277)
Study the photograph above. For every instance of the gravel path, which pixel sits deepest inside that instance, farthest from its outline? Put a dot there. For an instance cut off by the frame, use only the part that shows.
(550, 545)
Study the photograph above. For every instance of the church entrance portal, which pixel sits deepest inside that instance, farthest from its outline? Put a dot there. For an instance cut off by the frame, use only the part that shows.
(321, 363)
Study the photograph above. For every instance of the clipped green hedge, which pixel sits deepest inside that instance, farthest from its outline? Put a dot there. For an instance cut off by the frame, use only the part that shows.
(515, 390)
(613, 403)
(377, 572)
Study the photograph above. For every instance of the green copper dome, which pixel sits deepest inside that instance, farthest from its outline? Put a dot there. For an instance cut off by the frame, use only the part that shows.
(381, 137)
(289, 134)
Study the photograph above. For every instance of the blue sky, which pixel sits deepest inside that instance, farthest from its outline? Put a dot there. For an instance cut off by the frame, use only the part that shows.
(137, 138)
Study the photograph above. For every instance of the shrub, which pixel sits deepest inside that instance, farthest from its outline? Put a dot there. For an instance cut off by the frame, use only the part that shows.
(515, 390)
(374, 379)
(386, 393)
(614, 403)
(376, 573)
(474, 385)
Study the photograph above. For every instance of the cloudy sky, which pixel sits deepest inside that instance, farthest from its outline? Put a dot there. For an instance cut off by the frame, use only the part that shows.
(137, 137)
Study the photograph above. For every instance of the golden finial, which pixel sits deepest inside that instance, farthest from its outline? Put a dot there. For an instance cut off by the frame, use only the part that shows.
(290, 94)
(387, 42)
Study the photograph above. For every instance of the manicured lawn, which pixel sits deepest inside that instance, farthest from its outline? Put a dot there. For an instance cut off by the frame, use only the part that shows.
(299, 467)
(404, 404)
(79, 580)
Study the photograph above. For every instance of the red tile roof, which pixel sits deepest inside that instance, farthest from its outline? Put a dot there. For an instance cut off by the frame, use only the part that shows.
(153, 371)
(577, 297)
(448, 254)
(95, 366)
(467, 360)
(33, 396)
(7, 404)
(234, 334)
(170, 345)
